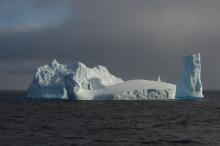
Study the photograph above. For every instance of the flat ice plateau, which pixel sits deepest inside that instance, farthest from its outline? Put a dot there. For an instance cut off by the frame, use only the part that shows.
(131, 90)
(79, 82)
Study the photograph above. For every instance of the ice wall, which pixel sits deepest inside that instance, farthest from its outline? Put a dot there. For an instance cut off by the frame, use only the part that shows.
(189, 84)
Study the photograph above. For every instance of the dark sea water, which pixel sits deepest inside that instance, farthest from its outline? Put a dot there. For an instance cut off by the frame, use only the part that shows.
(25, 122)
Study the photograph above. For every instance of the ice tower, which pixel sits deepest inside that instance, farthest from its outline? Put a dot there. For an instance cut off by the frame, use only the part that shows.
(189, 84)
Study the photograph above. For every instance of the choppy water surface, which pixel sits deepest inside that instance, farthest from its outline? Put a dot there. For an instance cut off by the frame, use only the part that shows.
(67, 123)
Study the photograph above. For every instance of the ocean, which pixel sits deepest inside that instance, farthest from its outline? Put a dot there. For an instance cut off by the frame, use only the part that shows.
(28, 122)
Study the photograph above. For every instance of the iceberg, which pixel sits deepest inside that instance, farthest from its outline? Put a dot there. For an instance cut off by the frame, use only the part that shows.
(79, 82)
(56, 80)
(189, 84)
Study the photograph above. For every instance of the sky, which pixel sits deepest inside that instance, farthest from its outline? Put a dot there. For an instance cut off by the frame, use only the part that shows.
(134, 39)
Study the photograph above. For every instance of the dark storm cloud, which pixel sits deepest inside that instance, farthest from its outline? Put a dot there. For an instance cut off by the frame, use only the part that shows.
(133, 38)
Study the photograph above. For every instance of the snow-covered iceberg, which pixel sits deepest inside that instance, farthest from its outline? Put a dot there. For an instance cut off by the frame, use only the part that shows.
(56, 80)
(189, 84)
(77, 81)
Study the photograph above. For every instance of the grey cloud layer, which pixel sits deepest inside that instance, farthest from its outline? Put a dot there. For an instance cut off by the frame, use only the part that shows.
(133, 38)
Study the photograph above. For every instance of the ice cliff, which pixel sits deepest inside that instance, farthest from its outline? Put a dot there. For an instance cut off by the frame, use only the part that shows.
(189, 84)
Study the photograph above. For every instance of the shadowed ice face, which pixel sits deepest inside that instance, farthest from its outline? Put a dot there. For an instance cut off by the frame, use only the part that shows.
(192, 64)
(192, 72)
